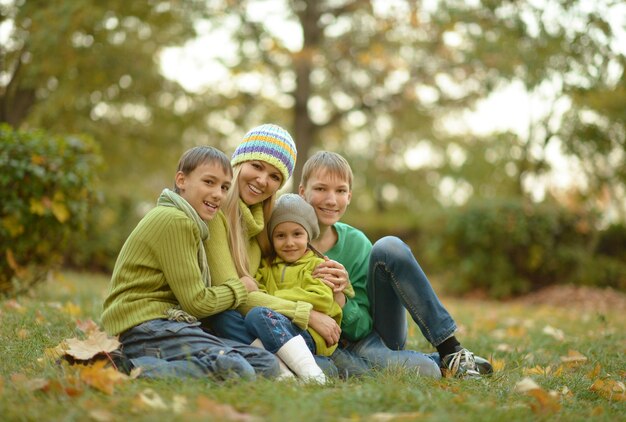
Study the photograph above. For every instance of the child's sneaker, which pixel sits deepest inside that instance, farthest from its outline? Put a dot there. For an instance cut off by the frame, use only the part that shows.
(460, 364)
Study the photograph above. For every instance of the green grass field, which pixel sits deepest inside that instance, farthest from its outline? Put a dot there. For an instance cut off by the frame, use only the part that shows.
(575, 357)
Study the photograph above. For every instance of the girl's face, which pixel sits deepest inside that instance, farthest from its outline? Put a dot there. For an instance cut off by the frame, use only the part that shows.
(204, 188)
(290, 241)
(258, 181)
(328, 194)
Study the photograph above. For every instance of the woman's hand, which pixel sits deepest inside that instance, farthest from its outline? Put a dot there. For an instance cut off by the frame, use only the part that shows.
(249, 283)
(325, 326)
(333, 274)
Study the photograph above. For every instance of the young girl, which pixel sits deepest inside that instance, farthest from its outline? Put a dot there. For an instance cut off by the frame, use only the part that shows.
(262, 163)
(287, 273)
(387, 281)
(161, 283)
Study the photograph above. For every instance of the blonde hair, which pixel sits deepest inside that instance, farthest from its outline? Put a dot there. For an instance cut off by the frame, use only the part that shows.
(330, 162)
(238, 232)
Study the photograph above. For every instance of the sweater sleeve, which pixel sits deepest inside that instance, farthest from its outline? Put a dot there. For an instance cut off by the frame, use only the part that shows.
(298, 312)
(178, 254)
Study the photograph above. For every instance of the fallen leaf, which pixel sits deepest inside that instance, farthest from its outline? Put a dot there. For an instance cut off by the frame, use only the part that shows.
(574, 356)
(526, 385)
(544, 402)
(101, 415)
(87, 326)
(97, 342)
(149, 399)
(71, 309)
(553, 332)
(179, 404)
(101, 378)
(609, 389)
(221, 411)
(30, 384)
(594, 373)
(537, 370)
(14, 305)
(55, 353)
(384, 417)
(497, 364)
(23, 334)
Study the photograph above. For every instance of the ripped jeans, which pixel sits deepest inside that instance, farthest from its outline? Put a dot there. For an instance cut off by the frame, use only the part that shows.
(164, 348)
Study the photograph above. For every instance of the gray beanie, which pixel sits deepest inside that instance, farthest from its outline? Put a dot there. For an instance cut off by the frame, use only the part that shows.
(291, 207)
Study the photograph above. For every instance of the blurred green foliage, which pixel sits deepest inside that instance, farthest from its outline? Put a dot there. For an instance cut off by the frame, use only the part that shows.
(47, 186)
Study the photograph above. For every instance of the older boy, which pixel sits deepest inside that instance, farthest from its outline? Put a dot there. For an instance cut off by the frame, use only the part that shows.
(387, 281)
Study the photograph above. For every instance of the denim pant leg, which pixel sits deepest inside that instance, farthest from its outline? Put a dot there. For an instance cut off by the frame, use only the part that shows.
(164, 348)
(274, 329)
(396, 283)
(376, 354)
(229, 324)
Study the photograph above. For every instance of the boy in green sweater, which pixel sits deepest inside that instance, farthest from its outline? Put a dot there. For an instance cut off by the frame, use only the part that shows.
(161, 285)
(387, 281)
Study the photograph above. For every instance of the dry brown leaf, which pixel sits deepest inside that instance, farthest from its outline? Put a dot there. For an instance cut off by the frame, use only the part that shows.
(87, 326)
(609, 389)
(497, 364)
(30, 384)
(221, 411)
(14, 305)
(595, 372)
(149, 399)
(101, 415)
(544, 402)
(97, 342)
(101, 378)
(573, 357)
(384, 417)
(553, 332)
(537, 370)
(22, 334)
(526, 385)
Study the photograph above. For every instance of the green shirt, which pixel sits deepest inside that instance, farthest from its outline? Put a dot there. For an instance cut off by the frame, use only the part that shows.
(352, 250)
(293, 281)
(158, 269)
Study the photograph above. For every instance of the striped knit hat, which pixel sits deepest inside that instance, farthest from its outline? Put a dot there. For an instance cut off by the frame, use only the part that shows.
(269, 143)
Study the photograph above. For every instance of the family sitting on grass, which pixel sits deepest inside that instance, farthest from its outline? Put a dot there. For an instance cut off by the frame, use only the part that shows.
(221, 279)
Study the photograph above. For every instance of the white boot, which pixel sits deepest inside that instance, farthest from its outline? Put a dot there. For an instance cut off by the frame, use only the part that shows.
(296, 354)
(285, 372)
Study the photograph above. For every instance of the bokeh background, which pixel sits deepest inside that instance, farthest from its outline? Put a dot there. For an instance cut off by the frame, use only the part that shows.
(489, 135)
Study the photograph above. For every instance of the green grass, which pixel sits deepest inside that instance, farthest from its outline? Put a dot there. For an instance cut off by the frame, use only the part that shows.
(511, 334)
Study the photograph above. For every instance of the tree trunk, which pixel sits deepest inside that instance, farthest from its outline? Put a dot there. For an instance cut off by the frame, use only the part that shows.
(304, 128)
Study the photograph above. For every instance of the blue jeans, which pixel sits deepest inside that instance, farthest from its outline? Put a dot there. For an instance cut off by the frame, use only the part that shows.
(272, 328)
(164, 348)
(396, 284)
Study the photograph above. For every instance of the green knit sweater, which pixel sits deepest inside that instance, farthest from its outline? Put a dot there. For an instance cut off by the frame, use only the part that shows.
(222, 266)
(158, 269)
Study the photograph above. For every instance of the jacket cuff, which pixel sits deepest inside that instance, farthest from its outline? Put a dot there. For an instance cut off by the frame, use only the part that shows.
(301, 316)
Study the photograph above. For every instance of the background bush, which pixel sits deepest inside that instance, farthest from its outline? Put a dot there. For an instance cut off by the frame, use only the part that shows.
(47, 186)
(509, 247)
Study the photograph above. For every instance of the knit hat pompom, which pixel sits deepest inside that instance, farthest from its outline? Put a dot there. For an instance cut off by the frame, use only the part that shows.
(291, 207)
(269, 143)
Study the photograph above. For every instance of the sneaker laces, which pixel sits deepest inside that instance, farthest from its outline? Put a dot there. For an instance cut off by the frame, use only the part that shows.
(462, 364)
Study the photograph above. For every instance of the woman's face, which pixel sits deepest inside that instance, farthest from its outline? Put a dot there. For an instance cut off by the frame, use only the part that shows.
(258, 181)
(204, 188)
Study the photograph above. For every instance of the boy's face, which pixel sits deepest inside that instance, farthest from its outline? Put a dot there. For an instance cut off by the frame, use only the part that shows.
(328, 194)
(290, 241)
(204, 188)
